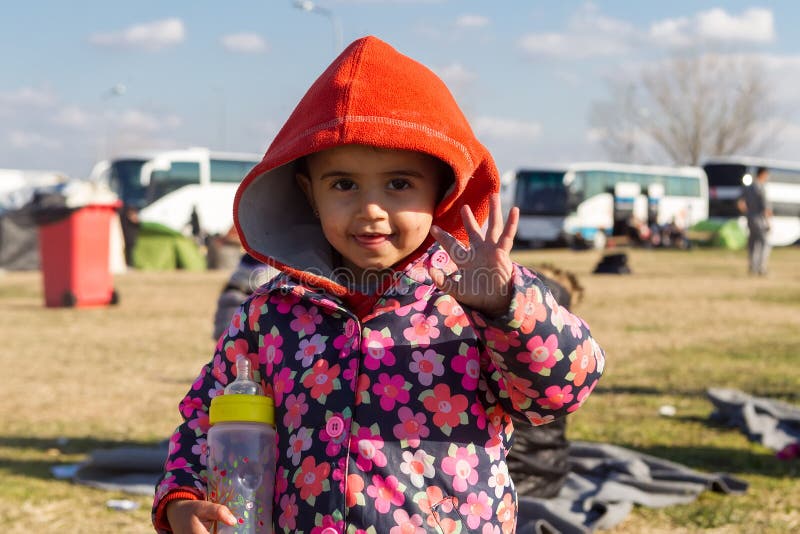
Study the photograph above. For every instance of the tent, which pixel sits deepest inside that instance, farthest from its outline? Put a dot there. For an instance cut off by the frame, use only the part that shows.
(159, 248)
(717, 233)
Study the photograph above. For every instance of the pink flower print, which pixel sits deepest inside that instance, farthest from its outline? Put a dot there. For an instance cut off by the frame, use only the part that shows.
(583, 394)
(269, 352)
(200, 448)
(257, 306)
(507, 514)
(418, 466)
(327, 523)
(281, 481)
(411, 426)
(476, 507)
(574, 325)
(529, 310)
(200, 422)
(175, 464)
(218, 371)
(235, 325)
(369, 445)
(500, 340)
(296, 407)
(538, 419)
(448, 410)
(190, 405)
(460, 464)
(282, 383)
(321, 379)
(309, 348)
(355, 490)
(362, 389)
(422, 329)
(468, 364)
(556, 397)
(312, 478)
(174, 444)
(284, 301)
(455, 319)
(376, 347)
(386, 492)
(289, 512)
(351, 370)
(391, 390)
(406, 524)
(306, 320)
(489, 528)
(541, 355)
(298, 444)
(499, 479)
(427, 365)
(583, 362)
(239, 347)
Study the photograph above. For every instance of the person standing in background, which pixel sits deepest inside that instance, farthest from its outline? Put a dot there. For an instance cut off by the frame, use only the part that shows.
(754, 205)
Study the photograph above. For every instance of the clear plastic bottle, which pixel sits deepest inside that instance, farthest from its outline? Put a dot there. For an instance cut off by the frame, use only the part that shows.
(241, 454)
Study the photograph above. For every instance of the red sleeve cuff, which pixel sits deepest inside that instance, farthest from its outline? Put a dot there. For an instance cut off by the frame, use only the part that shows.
(160, 517)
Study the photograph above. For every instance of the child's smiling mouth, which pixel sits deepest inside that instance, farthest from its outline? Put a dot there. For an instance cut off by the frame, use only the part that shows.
(372, 240)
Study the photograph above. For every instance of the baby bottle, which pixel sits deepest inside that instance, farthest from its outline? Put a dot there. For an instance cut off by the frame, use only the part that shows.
(241, 454)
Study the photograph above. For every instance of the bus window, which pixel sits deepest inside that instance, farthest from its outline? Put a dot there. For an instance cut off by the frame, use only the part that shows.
(180, 174)
(230, 171)
(541, 193)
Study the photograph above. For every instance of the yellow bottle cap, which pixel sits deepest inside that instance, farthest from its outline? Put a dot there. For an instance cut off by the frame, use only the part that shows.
(242, 408)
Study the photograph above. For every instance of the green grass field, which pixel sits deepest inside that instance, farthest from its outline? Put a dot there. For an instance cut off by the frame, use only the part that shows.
(76, 380)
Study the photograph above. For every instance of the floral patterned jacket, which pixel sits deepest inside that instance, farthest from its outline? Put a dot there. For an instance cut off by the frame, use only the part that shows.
(398, 422)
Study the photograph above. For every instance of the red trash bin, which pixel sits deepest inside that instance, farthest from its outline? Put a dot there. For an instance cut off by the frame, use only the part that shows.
(74, 254)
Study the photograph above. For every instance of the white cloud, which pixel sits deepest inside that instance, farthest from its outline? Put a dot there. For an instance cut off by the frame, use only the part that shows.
(507, 129)
(588, 34)
(23, 140)
(73, 117)
(150, 36)
(472, 21)
(455, 74)
(752, 26)
(135, 120)
(248, 43)
(28, 97)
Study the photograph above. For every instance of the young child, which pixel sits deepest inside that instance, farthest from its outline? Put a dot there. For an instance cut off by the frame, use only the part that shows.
(399, 339)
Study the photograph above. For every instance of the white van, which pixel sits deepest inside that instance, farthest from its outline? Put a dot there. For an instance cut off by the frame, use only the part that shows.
(173, 187)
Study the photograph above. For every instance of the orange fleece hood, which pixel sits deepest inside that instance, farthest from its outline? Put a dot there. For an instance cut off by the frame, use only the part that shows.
(371, 95)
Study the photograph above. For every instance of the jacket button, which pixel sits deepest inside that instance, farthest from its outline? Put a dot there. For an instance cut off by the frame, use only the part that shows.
(440, 259)
(329, 530)
(334, 427)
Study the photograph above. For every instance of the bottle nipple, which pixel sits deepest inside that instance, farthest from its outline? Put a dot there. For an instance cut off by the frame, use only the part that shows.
(243, 384)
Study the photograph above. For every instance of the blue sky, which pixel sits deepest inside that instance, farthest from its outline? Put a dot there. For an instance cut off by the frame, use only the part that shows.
(226, 75)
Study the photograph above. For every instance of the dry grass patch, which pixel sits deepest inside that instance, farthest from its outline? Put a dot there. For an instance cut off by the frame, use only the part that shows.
(81, 379)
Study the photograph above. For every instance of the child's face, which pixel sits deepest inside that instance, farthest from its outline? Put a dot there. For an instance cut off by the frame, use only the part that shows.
(375, 205)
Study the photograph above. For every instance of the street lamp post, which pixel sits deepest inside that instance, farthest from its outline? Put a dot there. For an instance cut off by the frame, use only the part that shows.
(310, 7)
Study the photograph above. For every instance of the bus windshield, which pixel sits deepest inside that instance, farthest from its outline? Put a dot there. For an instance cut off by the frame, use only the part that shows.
(724, 188)
(125, 181)
(541, 193)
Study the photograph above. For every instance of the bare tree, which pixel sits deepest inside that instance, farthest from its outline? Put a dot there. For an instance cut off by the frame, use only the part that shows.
(687, 109)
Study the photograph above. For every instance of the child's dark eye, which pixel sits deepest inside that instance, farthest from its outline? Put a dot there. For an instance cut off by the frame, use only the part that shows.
(399, 184)
(343, 185)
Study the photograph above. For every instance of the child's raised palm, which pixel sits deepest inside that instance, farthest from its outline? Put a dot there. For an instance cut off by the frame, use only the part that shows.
(482, 281)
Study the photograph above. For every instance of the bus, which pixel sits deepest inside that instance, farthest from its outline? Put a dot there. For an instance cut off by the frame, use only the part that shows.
(727, 175)
(589, 202)
(189, 191)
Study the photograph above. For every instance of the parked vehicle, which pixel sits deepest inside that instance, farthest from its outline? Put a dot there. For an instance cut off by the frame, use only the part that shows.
(190, 191)
(727, 175)
(593, 201)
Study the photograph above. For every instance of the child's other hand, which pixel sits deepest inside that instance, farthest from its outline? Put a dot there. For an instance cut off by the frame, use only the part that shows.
(196, 517)
(484, 273)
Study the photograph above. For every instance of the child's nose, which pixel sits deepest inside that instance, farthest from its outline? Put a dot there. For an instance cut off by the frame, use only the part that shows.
(372, 207)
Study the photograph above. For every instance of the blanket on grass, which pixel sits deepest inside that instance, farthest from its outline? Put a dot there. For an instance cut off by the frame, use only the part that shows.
(604, 483)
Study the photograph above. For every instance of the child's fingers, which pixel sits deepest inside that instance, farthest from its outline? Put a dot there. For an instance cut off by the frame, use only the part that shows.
(218, 512)
(495, 228)
(452, 245)
(471, 226)
(506, 239)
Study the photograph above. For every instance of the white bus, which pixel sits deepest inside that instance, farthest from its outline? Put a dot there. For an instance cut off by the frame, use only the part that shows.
(727, 175)
(592, 201)
(168, 186)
